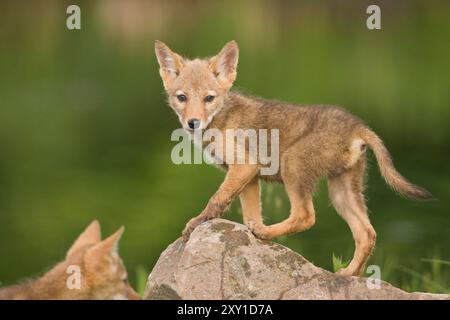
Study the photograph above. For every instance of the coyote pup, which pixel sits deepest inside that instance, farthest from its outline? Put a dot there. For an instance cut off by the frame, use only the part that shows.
(314, 141)
(102, 273)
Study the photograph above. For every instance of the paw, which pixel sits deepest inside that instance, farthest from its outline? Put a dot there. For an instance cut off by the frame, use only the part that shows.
(347, 272)
(259, 230)
(343, 272)
(190, 226)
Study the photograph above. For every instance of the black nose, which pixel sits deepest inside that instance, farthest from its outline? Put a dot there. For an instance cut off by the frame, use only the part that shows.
(193, 123)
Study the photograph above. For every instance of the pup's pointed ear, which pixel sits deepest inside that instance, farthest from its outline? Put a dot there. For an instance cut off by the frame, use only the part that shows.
(90, 236)
(225, 63)
(107, 247)
(170, 63)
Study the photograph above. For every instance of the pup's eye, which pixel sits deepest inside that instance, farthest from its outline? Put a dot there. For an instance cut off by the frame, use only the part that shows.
(181, 97)
(125, 280)
(209, 98)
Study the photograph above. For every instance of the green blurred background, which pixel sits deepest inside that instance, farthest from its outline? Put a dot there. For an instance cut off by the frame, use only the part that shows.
(85, 130)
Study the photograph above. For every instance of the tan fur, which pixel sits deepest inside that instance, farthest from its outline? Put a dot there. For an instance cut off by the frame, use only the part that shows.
(103, 275)
(315, 141)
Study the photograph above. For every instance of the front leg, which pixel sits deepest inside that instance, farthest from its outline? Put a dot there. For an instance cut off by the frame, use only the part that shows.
(237, 177)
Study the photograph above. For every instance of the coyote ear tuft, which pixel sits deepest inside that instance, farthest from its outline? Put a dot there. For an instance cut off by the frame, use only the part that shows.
(107, 247)
(90, 236)
(225, 63)
(170, 63)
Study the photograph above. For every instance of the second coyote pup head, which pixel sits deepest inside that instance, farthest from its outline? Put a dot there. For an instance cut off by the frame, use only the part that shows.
(92, 269)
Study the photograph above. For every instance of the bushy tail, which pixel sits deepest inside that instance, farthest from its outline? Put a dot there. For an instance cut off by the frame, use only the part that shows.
(387, 169)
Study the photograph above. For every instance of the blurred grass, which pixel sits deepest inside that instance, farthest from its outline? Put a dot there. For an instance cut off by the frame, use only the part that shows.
(85, 132)
(141, 279)
(338, 263)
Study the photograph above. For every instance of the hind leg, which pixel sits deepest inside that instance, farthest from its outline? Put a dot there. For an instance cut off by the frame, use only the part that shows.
(302, 215)
(346, 195)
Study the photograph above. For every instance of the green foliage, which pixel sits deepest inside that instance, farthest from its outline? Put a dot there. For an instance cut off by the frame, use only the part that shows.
(434, 278)
(338, 264)
(141, 279)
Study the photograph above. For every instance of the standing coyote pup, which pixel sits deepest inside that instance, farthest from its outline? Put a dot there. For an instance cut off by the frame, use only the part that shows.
(314, 141)
(102, 273)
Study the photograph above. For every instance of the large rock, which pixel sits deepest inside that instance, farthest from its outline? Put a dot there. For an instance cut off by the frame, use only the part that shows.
(223, 260)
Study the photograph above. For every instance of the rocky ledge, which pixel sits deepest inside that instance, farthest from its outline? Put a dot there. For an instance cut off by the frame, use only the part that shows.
(223, 260)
